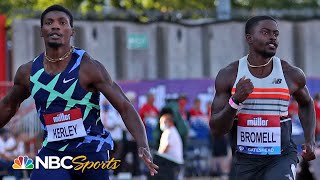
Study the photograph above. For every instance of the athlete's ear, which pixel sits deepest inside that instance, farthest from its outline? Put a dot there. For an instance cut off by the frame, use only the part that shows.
(249, 38)
(73, 32)
(41, 32)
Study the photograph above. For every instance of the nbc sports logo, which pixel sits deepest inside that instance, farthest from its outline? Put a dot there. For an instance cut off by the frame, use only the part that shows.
(22, 162)
(55, 162)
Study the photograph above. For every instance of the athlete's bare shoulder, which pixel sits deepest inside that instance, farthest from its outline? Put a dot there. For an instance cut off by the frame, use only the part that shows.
(92, 72)
(231, 68)
(25, 68)
(21, 86)
(91, 65)
(227, 76)
(89, 62)
(294, 76)
(23, 74)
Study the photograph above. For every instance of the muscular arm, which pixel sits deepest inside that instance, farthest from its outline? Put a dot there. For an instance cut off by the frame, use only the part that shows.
(130, 117)
(222, 114)
(17, 94)
(102, 82)
(306, 107)
(296, 82)
(95, 77)
(306, 113)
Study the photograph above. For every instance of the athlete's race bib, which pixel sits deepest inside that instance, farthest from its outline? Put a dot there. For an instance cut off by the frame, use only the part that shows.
(259, 134)
(64, 125)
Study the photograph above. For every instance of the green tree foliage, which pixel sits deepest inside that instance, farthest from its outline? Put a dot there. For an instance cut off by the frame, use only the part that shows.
(191, 8)
(33, 8)
(170, 5)
(276, 4)
(163, 5)
(142, 10)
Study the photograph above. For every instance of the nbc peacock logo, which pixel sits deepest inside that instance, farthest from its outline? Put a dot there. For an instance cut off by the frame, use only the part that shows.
(23, 162)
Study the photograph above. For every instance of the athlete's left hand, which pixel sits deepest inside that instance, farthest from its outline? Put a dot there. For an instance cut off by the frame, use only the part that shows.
(308, 151)
(145, 155)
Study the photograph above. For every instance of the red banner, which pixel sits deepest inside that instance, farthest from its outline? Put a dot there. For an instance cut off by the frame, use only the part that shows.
(3, 41)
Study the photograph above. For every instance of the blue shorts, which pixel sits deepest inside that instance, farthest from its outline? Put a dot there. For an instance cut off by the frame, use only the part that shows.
(69, 174)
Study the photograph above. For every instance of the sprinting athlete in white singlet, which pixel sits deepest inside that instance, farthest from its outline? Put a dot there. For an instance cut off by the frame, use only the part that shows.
(251, 102)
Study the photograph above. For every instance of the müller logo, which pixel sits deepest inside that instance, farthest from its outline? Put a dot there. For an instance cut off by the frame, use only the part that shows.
(61, 117)
(258, 121)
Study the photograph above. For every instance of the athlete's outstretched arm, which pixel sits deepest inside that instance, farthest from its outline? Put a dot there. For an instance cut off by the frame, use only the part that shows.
(16, 95)
(306, 114)
(102, 81)
(222, 114)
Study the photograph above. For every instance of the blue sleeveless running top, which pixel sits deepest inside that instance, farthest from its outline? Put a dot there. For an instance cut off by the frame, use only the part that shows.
(55, 95)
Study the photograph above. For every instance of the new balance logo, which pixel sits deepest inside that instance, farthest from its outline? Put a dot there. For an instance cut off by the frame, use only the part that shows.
(276, 81)
(66, 81)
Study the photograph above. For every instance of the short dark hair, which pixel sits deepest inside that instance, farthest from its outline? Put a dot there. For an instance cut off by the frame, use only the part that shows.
(252, 22)
(57, 7)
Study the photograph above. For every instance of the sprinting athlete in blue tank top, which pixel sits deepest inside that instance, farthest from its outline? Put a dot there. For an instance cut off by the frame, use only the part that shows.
(65, 83)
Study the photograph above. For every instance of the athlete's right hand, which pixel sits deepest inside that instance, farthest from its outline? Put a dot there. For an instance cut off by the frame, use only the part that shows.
(308, 151)
(243, 89)
(145, 155)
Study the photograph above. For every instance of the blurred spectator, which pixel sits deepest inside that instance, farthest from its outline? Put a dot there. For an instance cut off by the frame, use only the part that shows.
(3, 162)
(198, 122)
(2, 147)
(113, 123)
(182, 103)
(172, 108)
(150, 116)
(149, 110)
(315, 164)
(20, 148)
(8, 146)
(170, 141)
(198, 148)
(195, 111)
(317, 110)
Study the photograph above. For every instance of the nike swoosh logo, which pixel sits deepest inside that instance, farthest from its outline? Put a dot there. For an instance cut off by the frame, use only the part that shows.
(66, 81)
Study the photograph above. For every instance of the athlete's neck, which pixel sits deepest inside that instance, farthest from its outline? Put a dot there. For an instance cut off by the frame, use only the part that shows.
(255, 59)
(259, 66)
(57, 52)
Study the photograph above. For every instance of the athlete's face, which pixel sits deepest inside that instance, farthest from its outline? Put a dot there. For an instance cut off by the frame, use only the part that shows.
(56, 30)
(263, 38)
